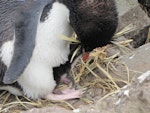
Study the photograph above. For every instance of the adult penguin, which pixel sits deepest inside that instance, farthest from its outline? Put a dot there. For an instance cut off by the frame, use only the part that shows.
(30, 47)
(94, 22)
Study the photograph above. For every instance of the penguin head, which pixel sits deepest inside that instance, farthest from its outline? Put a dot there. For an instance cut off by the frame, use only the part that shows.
(94, 21)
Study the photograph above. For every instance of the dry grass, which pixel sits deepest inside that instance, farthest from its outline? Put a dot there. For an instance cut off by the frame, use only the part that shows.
(92, 74)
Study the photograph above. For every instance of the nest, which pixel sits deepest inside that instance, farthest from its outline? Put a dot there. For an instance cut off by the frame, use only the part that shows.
(91, 73)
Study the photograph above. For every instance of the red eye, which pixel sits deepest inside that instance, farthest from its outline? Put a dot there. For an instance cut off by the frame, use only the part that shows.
(85, 56)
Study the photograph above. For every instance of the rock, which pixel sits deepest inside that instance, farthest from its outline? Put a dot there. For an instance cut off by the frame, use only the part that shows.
(132, 64)
(138, 60)
(124, 6)
(134, 98)
(130, 13)
(145, 5)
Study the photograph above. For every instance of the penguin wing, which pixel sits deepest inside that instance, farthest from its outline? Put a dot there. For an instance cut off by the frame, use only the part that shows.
(6, 31)
(25, 20)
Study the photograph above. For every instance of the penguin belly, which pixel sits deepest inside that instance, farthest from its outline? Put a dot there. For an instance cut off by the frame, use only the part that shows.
(50, 51)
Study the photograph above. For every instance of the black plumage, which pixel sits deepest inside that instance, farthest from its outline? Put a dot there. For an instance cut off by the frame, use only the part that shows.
(94, 21)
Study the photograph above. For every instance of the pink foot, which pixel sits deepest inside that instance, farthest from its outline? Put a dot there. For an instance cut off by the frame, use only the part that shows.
(66, 95)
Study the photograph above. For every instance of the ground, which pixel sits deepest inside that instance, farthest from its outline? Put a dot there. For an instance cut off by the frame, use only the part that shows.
(110, 76)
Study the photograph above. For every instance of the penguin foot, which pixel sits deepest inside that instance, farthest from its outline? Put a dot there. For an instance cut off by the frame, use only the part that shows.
(66, 94)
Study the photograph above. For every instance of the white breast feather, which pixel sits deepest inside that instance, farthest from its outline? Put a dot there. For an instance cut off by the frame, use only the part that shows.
(50, 51)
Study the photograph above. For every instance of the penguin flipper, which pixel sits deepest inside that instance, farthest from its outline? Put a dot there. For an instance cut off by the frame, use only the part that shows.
(25, 33)
(25, 20)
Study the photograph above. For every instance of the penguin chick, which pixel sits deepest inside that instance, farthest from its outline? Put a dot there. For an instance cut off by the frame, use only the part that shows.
(62, 73)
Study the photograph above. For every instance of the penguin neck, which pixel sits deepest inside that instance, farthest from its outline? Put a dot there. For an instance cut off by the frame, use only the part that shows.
(48, 42)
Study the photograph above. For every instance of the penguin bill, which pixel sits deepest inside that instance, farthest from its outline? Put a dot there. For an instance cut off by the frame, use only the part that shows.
(71, 40)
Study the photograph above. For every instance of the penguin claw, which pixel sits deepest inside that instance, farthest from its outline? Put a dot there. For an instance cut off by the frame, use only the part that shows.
(67, 94)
